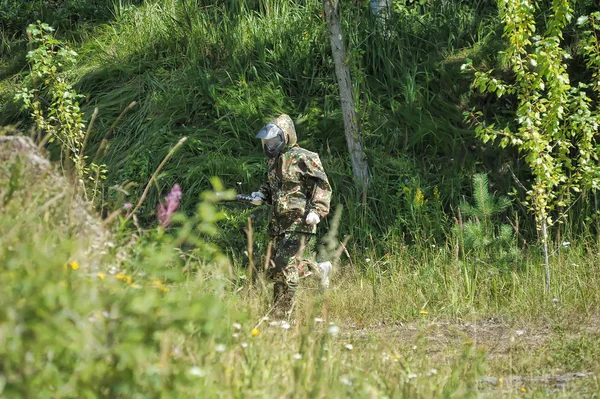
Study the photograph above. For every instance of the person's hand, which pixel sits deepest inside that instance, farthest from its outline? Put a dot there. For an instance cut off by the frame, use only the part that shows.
(257, 198)
(312, 218)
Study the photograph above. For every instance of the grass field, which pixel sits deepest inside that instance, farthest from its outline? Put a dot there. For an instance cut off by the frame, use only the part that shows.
(438, 292)
(90, 314)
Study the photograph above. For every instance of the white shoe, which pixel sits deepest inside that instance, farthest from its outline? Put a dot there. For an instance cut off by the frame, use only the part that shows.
(325, 270)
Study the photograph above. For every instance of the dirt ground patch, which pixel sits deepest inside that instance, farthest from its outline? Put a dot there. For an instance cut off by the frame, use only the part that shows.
(520, 357)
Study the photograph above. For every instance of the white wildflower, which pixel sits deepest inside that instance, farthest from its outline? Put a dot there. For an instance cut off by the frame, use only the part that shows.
(349, 347)
(344, 379)
(333, 330)
(220, 348)
(196, 371)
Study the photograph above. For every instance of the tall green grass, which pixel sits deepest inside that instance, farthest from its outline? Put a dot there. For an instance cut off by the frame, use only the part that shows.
(149, 317)
(217, 72)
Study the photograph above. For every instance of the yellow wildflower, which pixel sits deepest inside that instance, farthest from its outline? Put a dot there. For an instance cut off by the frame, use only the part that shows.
(74, 265)
(124, 277)
(523, 389)
(419, 198)
(159, 284)
(101, 276)
(255, 332)
(423, 312)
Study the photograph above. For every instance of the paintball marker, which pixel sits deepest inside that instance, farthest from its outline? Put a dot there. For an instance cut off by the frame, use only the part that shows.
(244, 197)
(226, 196)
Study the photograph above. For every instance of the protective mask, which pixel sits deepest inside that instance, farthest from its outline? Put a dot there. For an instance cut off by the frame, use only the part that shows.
(273, 140)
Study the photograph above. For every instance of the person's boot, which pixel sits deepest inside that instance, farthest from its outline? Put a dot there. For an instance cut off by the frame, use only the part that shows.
(324, 269)
(282, 301)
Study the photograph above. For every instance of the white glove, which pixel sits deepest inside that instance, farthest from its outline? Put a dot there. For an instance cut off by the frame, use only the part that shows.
(312, 218)
(257, 198)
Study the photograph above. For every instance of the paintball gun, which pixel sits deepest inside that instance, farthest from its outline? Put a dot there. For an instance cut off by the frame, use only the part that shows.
(226, 196)
(244, 197)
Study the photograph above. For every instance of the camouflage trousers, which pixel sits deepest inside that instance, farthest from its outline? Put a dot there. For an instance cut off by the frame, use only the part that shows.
(291, 263)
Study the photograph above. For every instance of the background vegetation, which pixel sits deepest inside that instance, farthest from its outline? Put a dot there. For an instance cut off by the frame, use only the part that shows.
(442, 235)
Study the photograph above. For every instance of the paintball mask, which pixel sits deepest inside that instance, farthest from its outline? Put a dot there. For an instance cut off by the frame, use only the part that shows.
(272, 138)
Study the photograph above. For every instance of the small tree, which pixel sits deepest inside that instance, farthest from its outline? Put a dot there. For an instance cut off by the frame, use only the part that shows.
(54, 104)
(480, 232)
(555, 123)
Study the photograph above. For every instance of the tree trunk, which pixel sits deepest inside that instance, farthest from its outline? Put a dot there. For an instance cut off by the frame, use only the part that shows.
(545, 252)
(358, 158)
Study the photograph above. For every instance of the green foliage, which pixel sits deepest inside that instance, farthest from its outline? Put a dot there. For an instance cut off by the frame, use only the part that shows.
(146, 316)
(145, 322)
(62, 118)
(69, 328)
(217, 73)
(555, 121)
(481, 234)
(161, 323)
(486, 205)
(67, 15)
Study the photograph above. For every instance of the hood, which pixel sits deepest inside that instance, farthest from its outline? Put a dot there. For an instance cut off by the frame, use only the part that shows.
(285, 123)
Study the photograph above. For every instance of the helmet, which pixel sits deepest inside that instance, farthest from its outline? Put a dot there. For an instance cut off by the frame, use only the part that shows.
(272, 138)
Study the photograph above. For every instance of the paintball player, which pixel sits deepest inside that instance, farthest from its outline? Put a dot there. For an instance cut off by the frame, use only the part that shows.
(299, 192)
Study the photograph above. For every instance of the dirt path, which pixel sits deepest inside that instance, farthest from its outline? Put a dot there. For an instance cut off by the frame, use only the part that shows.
(517, 355)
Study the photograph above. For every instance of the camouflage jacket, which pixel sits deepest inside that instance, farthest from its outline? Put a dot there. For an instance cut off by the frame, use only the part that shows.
(296, 184)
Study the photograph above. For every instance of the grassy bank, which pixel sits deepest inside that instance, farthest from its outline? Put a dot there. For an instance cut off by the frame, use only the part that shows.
(123, 320)
(438, 293)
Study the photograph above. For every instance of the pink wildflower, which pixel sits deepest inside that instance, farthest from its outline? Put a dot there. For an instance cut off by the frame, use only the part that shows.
(167, 209)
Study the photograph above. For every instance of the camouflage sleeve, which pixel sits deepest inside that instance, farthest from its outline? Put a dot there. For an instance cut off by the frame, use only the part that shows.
(265, 190)
(321, 189)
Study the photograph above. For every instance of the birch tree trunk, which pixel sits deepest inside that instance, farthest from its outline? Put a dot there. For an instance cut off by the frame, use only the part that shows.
(358, 158)
(545, 252)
